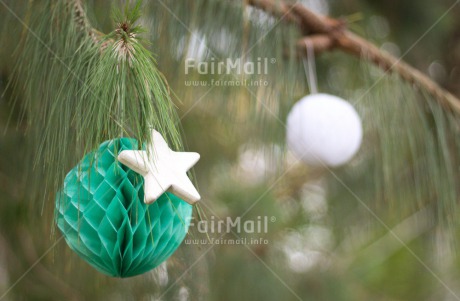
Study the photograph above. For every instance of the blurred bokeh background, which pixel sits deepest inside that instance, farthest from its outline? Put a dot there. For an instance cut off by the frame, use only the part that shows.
(382, 227)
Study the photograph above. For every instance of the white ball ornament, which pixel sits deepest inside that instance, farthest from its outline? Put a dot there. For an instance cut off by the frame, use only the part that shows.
(324, 129)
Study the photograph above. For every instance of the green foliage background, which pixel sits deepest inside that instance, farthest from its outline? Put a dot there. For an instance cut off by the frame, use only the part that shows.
(384, 227)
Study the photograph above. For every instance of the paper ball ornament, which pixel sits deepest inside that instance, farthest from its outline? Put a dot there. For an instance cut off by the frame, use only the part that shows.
(101, 213)
(324, 129)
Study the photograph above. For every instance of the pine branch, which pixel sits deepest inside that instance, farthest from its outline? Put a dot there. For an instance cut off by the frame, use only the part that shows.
(326, 34)
(87, 87)
(82, 22)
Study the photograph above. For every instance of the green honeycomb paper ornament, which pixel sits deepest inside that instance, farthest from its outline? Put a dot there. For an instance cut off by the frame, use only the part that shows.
(102, 215)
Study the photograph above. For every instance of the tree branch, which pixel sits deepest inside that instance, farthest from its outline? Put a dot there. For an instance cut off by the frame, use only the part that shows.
(326, 34)
(82, 22)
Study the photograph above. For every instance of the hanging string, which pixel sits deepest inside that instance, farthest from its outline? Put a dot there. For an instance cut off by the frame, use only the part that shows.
(310, 68)
(121, 110)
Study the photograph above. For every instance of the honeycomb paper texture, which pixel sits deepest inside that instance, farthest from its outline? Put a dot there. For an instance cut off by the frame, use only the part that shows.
(101, 213)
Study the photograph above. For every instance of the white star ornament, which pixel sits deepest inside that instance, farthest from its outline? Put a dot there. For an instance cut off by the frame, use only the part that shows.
(164, 170)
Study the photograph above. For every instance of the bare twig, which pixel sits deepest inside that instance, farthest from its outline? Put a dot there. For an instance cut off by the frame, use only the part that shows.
(326, 34)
